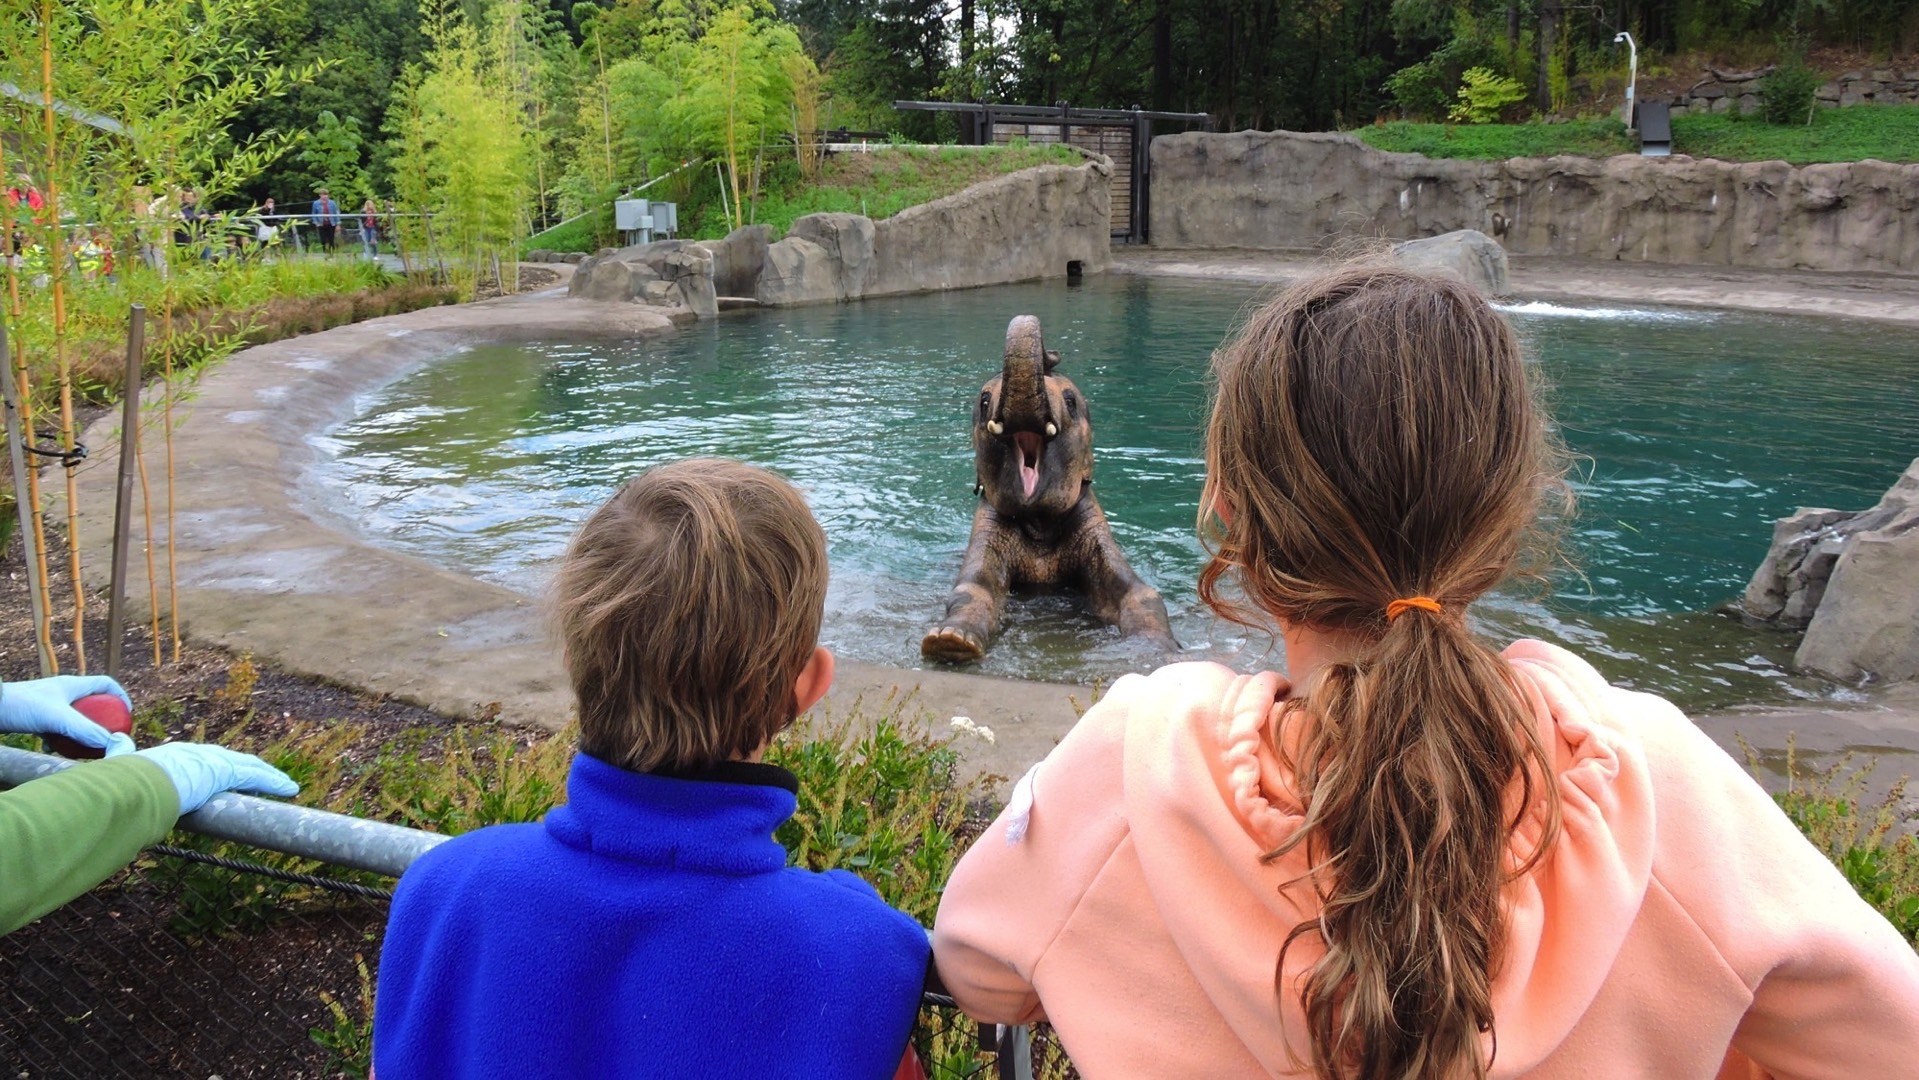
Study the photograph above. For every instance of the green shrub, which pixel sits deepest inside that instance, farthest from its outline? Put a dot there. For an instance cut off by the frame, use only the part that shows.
(1787, 93)
(1483, 95)
(1872, 845)
(1421, 91)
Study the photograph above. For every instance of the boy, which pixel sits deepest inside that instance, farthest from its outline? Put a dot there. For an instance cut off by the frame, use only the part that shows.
(650, 927)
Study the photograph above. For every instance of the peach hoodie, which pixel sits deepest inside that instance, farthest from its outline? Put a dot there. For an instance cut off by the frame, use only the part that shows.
(1681, 928)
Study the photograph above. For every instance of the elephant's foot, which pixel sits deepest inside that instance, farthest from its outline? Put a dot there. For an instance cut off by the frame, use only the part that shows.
(952, 645)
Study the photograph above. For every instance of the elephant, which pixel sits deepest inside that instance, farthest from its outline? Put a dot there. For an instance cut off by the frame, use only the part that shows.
(1038, 525)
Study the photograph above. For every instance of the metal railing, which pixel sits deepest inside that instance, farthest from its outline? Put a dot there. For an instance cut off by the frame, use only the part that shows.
(246, 947)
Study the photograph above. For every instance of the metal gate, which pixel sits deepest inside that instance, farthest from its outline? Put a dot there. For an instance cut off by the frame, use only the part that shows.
(1123, 135)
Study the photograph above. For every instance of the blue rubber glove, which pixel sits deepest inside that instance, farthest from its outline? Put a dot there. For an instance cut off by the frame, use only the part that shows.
(200, 771)
(45, 707)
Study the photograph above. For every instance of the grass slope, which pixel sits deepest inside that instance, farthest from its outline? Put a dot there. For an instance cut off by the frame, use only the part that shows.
(886, 181)
(1884, 132)
(1585, 138)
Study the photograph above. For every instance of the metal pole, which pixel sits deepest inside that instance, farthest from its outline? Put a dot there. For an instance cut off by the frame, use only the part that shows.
(352, 842)
(123, 501)
(16, 447)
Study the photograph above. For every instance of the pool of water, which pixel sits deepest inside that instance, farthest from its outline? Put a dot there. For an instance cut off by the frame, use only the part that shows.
(1695, 430)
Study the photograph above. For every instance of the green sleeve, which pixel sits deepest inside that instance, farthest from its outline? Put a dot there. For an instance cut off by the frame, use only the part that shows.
(63, 834)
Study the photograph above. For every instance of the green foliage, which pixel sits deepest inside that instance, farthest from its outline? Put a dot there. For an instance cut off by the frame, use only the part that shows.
(880, 796)
(1422, 91)
(1584, 138)
(477, 779)
(348, 1040)
(462, 145)
(1484, 95)
(884, 182)
(1788, 92)
(1882, 132)
(332, 151)
(1873, 846)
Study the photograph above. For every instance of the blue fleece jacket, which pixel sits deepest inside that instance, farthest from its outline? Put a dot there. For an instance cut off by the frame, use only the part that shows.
(648, 928)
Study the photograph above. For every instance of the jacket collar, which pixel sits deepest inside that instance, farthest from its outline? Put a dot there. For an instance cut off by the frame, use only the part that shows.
(720, 822)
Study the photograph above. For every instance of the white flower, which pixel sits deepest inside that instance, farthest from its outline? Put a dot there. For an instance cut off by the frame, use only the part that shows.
(966, 724)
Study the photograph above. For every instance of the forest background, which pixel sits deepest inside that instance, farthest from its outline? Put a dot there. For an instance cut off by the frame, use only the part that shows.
(607, 95)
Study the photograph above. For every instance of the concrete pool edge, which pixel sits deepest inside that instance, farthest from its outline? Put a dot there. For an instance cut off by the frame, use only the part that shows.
(1890, 298)
(265, 570)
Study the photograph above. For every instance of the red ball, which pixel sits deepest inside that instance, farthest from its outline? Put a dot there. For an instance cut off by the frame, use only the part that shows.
(106, 710)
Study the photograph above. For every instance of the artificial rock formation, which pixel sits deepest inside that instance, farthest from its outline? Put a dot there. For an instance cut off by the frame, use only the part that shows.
(1851, 580)
(1468, 254)
(1036, 223)
(1312, 190)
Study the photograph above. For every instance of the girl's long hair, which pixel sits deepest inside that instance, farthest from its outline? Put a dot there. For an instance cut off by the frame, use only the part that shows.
(1374, 437)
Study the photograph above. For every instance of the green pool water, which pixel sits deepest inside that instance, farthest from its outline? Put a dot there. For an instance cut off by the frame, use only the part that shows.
(1695, 430)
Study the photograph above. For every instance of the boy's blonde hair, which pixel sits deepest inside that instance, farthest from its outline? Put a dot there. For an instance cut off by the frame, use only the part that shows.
(687, 606)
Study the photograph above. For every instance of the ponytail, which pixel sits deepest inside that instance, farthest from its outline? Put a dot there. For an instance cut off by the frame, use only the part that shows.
(1374, 435)
(1409, 760)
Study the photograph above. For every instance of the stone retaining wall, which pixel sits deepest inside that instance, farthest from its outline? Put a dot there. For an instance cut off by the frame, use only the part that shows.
(1313, 190)
(1740, 92)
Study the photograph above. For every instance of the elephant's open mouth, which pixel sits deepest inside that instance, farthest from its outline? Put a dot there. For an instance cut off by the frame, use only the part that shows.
(1029, 446)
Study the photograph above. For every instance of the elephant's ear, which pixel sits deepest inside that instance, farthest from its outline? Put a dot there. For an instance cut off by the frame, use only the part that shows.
(1052, 360)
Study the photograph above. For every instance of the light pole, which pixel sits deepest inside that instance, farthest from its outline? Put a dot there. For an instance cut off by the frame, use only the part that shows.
(1632, 67)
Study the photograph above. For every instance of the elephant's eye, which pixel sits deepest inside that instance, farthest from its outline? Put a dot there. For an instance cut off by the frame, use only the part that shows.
(1072, 403)
(985, 403)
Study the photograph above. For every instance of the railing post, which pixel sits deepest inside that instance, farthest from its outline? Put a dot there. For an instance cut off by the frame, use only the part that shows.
(1015, 1046)
(123, 498)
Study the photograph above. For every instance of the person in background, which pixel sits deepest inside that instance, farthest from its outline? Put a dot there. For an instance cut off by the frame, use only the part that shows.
(651, 926)
(1412, 855)
(326, 218)
(66, 832)
(370, 229)
(266, 228)
(149, 237)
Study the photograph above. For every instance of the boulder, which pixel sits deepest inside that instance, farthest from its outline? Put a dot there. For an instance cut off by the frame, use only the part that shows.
(797, 271)
(1467, 254)
(602, 278)
(847, 240)
(691, 272)
(738, 259)
(1851, 579)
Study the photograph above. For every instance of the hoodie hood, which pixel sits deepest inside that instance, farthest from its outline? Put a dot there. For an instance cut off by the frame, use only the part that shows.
(1228, 913)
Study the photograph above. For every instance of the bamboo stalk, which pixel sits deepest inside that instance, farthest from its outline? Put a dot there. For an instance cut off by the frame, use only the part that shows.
(166, 428)
(57, 268)
(153, 580)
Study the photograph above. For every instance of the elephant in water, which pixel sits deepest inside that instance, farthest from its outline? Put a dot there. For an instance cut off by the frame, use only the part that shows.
(1038, 525)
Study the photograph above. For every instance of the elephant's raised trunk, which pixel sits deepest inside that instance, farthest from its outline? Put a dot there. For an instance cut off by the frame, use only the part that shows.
(1022, 402)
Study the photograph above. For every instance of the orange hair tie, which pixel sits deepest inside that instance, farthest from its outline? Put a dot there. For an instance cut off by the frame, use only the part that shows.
(1399, 607)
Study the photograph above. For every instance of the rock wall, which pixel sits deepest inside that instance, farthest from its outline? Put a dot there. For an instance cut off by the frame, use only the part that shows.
(1743, 92)
(1035, 223)
(1851, 580)
(1292, 190)
(1030, 224)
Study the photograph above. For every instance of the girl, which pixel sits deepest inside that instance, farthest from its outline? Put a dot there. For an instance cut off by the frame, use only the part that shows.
(1415, 858)
(370, 229)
